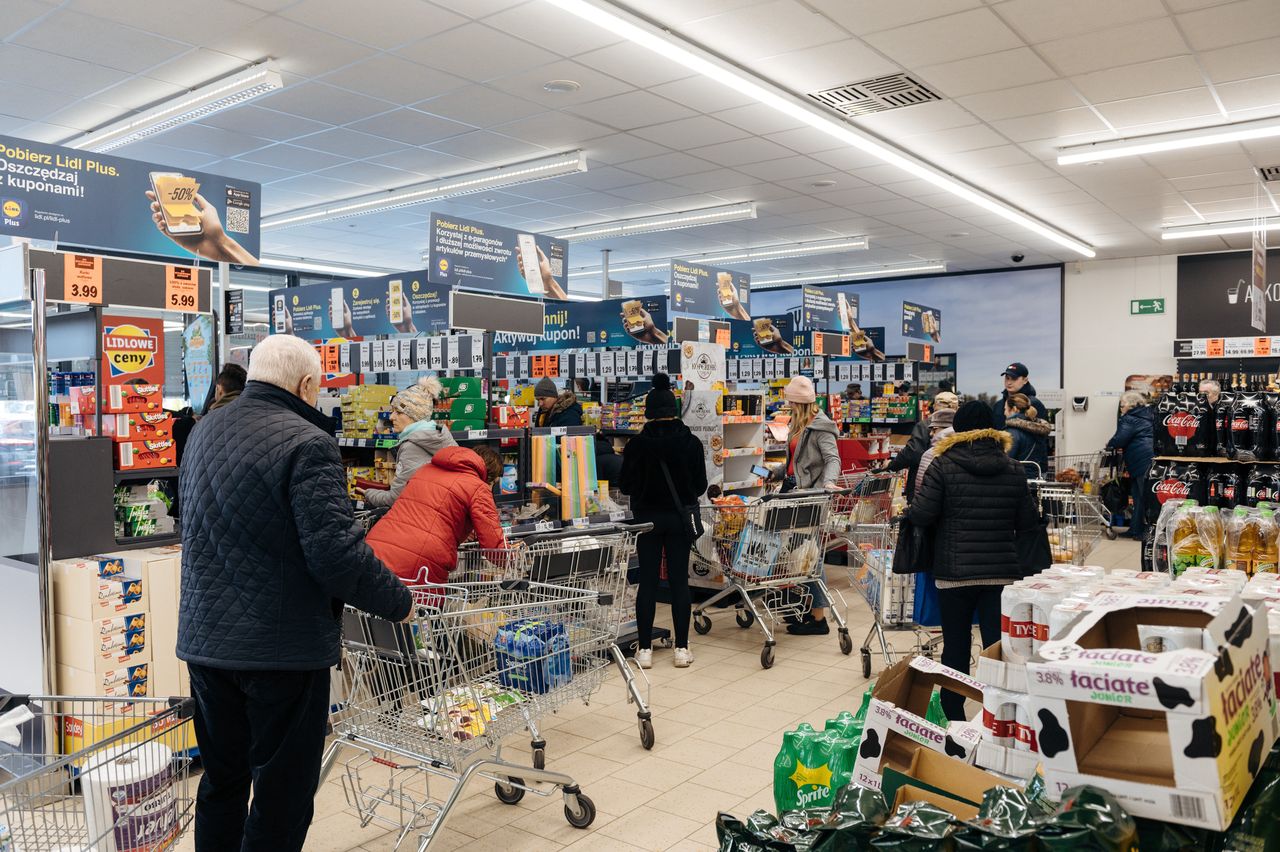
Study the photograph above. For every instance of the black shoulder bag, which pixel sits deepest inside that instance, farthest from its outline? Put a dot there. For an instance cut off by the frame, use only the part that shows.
(914, 552)
(1034, 553)
(691, 515)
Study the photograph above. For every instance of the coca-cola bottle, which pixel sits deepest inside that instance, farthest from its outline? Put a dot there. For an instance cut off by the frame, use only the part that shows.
(1223, 487)
(1251, 426)
(1166, 407)
(1261, 486)
(1222, 421)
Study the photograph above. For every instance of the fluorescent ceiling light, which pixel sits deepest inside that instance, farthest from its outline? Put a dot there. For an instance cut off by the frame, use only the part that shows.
(1243, 131)
(661, 222)
(1217, 229)
(558, 165)
(299, 264)
(232, 91)
(688, 55)
(863, 272)
(252, 288)
(755, 255)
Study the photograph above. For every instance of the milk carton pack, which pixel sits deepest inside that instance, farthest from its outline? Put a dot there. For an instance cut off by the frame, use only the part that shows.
(1176, 735)
(896, 727)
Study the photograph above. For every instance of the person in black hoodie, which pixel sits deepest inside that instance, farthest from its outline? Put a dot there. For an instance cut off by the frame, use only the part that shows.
(975, 498)
(665, 456)
(1016, 381)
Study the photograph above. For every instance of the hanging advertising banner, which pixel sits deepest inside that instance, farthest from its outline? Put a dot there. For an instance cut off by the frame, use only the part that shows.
(626, 323)
(1258, 283)
(706, 291)
(197, 359)
(1216, 295)
(825, 309)
(80, 198)
(233, 310)
(701, 365)
(403, 303)
(762, 336)
(921, 322)
(465, 253)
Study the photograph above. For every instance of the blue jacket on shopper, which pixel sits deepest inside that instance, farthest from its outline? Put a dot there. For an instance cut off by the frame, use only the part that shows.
(270, 548)
(1136, 436)
(1030, 443)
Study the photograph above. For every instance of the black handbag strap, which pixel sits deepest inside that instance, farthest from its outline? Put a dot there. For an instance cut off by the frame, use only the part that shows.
(675, 496)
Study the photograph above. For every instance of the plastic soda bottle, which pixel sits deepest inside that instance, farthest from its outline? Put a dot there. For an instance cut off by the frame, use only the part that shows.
(1267, 559)
(1242, 540)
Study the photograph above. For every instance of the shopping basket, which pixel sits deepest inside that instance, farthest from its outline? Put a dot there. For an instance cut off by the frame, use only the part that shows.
(1074, 516)
(594, 558)
(122, 783)
(863, 524)
(768, 550)
(436, 696)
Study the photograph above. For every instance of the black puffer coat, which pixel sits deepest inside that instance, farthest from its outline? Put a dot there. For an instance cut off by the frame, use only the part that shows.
(976, 498)
(642, 479)
(270, 549)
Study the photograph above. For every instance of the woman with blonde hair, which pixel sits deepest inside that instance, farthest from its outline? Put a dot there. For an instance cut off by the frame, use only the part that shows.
(813, 461)
(420, 438)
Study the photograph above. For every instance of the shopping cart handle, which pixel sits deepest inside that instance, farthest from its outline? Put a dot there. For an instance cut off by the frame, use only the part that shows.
(9, 702)
(533, 536)
(186, 707)
(514, 585)
(808, 492)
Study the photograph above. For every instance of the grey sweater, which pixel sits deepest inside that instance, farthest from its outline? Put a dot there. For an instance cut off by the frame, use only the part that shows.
(413, 451)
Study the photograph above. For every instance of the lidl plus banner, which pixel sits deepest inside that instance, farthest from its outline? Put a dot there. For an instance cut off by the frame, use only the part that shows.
(79, 198)
(465, 253)
(706, 291)
(615, 322)
(404, 303)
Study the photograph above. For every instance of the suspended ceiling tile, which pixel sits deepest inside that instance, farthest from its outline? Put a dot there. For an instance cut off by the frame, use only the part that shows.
(631, 110)
(759, 119)
(555, 130)
(932, 117)
(322, 103)
(785, 168)
(691, 132)
(1145, 78)
(394, 79)
(1242, 61)
(544, 25)
(976, 32)
(350, 144)
(208, 19)
(816, 68)
(1023, 100)
(1185, 105)
(530, 84)
(1051, 125)
(1124, 45)
(384, 24)
(741, 151)
(987, 72)
(805, 140)
(763, 29)
(639, 66)
(293, 157)
(477, 52)
(1260, 93)
(861, 17)
(1237, 23)
(488, 147)
(411, 127)
(213, 141)
(1045, 20)
(301, 50)
(95, 40)
(672, 165)
(481, 106)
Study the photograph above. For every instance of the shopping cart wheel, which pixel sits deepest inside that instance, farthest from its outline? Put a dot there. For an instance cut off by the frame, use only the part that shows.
(866, 662)
(766, 657)
(539, 758)
(846, 642)
(509, 793)
(701, 624)
(745, 618)
(1110, 533)
(646, 734)
(584, 815)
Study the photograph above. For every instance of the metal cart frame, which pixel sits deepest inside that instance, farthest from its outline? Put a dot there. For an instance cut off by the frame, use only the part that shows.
(761, 547)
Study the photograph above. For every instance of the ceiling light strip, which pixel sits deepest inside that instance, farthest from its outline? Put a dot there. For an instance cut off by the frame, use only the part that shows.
(1263, 128)
(662, 222)
(685, 53)
(778, 252)
(568, 163)
(252, 82)
(302, 264)
(1217, 229)
(836, 276)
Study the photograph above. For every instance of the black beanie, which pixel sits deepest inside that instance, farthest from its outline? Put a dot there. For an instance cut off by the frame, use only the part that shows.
(973, 415)
(660, 402)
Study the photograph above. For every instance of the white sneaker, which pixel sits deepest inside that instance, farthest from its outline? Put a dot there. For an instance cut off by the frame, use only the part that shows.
(683, 657)
(644, 658)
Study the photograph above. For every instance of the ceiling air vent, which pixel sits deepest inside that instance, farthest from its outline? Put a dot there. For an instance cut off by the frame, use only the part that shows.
(1269, 173)
(876, 95)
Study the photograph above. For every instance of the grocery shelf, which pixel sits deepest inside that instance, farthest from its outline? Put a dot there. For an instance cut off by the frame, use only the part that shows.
(487, 434)
(137, 542)
(742, 451)
(743, 484)
(146, 474)
(1208, 460)
(736, 419)
(385, 443)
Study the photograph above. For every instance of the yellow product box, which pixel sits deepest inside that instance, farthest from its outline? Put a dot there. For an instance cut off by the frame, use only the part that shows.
(81, 731)
(80, 590)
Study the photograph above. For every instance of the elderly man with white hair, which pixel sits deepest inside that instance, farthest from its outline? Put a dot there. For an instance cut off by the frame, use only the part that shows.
(270, 553)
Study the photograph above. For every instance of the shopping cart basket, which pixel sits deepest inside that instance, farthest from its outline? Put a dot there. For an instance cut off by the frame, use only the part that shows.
(862, 524)
(768, 550)
(593, 558)
(122, 783)
(1075, 518)
(1081, 469)
(436, 697)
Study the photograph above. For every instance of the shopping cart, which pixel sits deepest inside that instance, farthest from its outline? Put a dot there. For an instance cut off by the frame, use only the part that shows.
(1075, 518)
(434, 698)
(593, 558)
(862, 525)
(767, 551)
(1081, 469)
(123, 783)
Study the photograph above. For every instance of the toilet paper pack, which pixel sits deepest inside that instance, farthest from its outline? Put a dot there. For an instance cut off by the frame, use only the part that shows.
(129, 799)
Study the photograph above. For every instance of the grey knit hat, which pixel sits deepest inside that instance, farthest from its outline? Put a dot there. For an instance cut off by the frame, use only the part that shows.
(418, 401)
(942, 418)
(545, 388)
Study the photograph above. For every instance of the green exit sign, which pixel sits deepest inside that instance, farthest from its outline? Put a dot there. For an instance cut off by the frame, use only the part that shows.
(1146, 306)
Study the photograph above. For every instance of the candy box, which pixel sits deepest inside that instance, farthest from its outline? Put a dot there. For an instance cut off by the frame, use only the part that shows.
(138, 426)
(145, 455)
(1176, 735)
(132, 397)
(101, 644)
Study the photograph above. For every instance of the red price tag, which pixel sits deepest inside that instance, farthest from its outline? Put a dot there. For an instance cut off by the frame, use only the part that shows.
(538, 367)
(82, 279)
(329, 357)
(722, 337)
(552, 365)
(1262, 346)
(181, 285)
(1213, 347)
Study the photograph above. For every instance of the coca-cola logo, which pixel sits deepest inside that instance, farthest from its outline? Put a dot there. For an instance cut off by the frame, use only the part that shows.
(1182, 424)
(1239, 424)
(1229, 492)
(1172, 489)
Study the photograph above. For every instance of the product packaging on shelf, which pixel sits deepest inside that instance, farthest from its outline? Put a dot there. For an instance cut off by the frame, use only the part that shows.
(139, 426)
(123, 683)
(896, 725)
(161, 570)
(102, 644)
(81, 591)
(146, 455)
(1176, 735)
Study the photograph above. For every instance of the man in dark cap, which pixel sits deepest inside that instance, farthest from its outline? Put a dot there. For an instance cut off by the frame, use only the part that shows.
(1015, 381)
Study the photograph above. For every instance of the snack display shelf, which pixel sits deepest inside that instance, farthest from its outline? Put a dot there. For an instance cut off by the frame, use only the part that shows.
(744, 451)
(1209, 460)
(741, 419)
(743, 484)
(387, 442)
(148, 541)
(144, 475)
(488, 434)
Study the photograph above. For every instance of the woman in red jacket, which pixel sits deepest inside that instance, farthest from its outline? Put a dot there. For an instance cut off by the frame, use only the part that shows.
(446, 500)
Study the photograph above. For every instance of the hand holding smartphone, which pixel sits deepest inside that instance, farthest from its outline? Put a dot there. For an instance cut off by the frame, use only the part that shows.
(176, 195)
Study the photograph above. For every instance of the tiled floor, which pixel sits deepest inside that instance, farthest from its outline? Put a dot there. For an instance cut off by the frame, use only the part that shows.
(718, 724)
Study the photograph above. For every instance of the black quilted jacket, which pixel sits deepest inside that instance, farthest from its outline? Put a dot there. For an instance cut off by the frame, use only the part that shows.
(976, 498)
(270, 549)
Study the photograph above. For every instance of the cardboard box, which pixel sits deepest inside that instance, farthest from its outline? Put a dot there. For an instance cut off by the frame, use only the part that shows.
(951, 784)
(140, 426)
(896, 728)
(123, 683)
(145, 455)
(132, 398)
(81, 731)
(79, 591)
(993, 670)
(1007, 761)
(161, 569)
(1176, 736)
(101, 645)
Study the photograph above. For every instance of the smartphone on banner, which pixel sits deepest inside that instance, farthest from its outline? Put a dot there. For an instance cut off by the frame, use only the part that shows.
(278, 315)
(842, 307)
(336, 300)
(395, 295)
(176, 196)
(529, 264)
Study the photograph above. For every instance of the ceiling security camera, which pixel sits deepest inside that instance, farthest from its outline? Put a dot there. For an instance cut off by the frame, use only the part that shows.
(1017, 257)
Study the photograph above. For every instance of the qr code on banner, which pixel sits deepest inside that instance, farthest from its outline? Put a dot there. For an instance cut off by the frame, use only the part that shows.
(237, 220)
